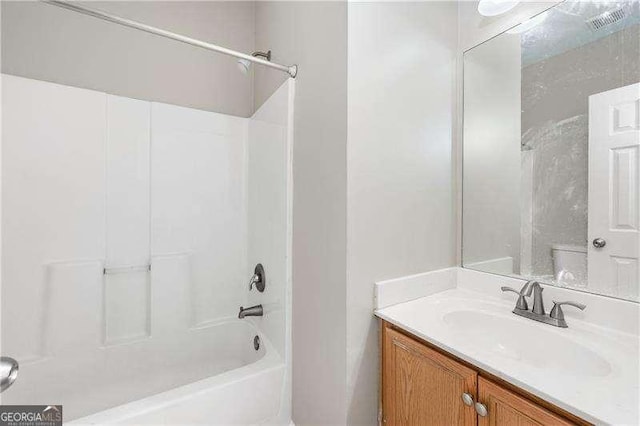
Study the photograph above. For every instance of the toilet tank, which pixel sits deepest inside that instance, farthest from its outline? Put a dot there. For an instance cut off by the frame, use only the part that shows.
(570, 264)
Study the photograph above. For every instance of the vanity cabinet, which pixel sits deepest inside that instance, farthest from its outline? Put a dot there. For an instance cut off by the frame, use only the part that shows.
(422, 385)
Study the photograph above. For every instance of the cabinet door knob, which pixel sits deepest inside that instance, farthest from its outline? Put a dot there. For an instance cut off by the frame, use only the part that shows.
(481, 409)
(467, 399)
(599, 242)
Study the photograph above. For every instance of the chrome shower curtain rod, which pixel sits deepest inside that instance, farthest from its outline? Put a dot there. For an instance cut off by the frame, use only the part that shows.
(291, 70)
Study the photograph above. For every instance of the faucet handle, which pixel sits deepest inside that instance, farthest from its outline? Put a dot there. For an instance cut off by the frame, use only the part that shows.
(258, 278)
(522, 302)
(254, 279)
(556, 311)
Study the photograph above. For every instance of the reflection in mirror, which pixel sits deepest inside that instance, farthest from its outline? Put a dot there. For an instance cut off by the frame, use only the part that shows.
(551, 183)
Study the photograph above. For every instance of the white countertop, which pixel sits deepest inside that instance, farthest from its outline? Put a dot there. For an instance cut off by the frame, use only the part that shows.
(588, 370)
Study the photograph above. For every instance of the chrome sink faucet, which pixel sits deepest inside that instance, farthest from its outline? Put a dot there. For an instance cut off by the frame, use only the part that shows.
(538, 303)
(537, 313)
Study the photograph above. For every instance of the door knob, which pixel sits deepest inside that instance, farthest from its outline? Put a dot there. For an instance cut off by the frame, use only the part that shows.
(481, 409)
(8, 372)
(467, 399)
(599, 243)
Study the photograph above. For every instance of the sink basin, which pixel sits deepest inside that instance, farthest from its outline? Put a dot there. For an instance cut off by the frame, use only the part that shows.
(512, 338)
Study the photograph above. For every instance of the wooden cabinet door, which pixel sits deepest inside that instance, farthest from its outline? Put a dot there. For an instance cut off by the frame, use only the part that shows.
(422, 387)
(505, 408)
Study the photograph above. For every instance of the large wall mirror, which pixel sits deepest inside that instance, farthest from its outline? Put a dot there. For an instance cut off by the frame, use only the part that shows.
(551, 179)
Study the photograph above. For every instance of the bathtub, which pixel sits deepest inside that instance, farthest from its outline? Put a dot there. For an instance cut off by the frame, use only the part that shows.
(245, 395)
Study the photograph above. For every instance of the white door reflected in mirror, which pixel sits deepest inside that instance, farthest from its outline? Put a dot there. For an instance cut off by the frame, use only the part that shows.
(614, 191)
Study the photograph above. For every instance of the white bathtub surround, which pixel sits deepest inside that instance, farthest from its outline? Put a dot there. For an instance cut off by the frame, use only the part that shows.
(589, 369)
(269, 216)
(43, 197)
(198, 187)
(93, 182)
(269, 197)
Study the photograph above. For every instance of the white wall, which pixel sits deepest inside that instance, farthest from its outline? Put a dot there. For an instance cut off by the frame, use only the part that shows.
(314, 35)
(492, 167)
(416, 143)
(52, 44)
(474, 29)
(400, 189)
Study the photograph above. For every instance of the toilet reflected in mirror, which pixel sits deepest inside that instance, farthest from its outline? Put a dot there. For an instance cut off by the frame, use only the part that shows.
(569, 265)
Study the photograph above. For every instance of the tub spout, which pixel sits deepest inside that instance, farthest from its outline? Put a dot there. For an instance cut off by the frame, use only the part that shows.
(254, 311)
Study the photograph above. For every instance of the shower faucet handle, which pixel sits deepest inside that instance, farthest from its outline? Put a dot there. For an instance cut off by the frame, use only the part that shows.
(254, 279)
(259, 278)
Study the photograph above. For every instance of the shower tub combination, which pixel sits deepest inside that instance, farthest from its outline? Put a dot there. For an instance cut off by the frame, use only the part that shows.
(121, 290)
(130, 230)
(159, 343)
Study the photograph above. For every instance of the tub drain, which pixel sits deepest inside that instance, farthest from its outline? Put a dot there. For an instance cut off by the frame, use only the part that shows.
(256, 343)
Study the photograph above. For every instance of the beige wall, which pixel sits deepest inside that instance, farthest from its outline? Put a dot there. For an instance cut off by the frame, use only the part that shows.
(48, 43)
(314, 35)
(274, 29)
(400, 191)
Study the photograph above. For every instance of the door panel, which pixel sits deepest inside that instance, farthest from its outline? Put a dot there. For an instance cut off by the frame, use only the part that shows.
(424, 387)
(506, 408)
(614, 191)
